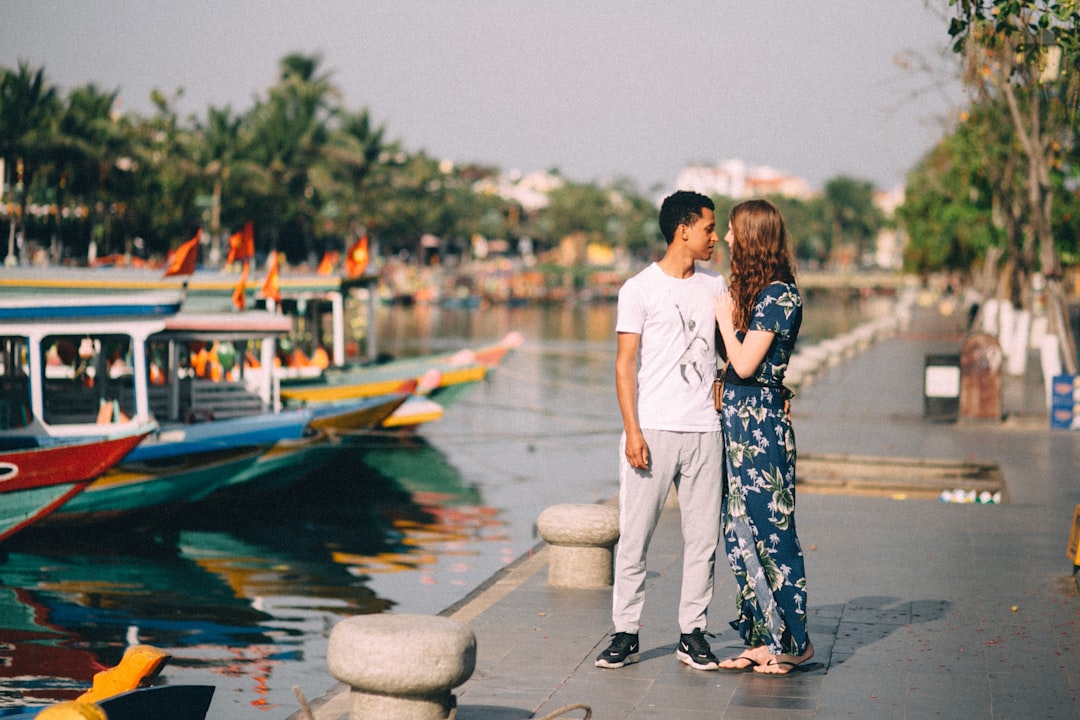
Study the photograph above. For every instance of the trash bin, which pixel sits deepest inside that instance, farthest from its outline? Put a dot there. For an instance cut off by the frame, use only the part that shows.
(941, 388)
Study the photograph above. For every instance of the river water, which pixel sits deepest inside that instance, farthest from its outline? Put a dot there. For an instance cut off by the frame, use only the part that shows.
(243, 590)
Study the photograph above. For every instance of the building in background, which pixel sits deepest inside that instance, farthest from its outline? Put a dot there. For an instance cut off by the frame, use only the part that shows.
(735, 179)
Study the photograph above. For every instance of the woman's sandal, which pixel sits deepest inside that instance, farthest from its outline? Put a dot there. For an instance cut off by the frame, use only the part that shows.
(791, 667)
(751, 663)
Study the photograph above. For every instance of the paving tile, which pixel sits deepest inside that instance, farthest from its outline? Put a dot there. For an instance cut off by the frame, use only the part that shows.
(933, 694)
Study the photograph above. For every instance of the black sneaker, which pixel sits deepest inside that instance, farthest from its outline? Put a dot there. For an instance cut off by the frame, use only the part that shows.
(623, 650)
(694, 650)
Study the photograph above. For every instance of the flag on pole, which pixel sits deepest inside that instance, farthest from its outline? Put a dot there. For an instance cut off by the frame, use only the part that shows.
(242, 244)
(356, 260)
(271, 288)
(329, 262)
(239, 292)
(182, 261)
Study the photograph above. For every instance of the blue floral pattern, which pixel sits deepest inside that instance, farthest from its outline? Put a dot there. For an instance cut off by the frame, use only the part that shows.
(759, 503)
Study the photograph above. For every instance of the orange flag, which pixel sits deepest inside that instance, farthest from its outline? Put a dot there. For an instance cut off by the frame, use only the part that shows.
(356, 260)
(271, 288)
(329, 262)
(238, 293)
(242, 244)
(182, 262)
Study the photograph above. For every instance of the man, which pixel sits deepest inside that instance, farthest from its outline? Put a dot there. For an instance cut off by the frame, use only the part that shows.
(671, 430)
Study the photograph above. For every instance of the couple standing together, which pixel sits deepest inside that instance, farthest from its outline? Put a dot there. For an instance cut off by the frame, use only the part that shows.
(733, 470)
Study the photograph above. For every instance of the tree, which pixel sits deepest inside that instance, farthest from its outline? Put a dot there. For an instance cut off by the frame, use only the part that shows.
(289, 132)
(28, 107)
(350, 161)
(1027, 52)
(217, 148)
(809, 231)
(852, 218)
(957, 204)
(91, 153)
(165, 169)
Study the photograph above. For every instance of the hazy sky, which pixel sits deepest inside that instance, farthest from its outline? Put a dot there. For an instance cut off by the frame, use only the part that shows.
(594, 88)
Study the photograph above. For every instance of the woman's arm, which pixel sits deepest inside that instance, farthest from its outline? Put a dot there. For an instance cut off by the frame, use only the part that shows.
(746, 356)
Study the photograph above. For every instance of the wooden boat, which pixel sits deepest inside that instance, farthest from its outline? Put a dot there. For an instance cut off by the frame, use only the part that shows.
(237, 434)
(205, 290)
(58, 382)
(305, 295)
(160, 702)
(355, 381)
(345, 416)
(90, 375)
(414, 411)
(138, 487)
(287, 460)
(440, 378)
(37, 481)
(107, 305)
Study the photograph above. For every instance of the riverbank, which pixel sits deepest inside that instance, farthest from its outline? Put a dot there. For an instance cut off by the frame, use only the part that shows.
(918, 608)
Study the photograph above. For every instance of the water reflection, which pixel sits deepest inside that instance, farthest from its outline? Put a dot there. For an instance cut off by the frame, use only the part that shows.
(69, 615)
(237, 587)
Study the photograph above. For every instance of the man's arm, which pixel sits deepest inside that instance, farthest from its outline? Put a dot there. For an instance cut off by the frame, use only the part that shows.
(637, 452)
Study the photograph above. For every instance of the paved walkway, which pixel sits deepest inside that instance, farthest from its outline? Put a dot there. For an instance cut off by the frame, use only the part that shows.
(918, 608)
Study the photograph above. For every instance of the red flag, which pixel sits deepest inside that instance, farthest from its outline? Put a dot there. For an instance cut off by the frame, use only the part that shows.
(182, 262)
(356, 260)
(271, 288)
(242, 244)
(329, 262)
(238, 293)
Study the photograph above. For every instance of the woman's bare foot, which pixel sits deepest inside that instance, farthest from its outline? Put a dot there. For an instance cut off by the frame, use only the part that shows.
(749, 658)
(783, 664)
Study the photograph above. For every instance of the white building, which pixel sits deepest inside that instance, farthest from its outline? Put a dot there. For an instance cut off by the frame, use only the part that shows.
(530, 191)
(735, 179)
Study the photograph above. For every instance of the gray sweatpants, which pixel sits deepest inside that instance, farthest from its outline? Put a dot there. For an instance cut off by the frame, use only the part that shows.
(694, 462)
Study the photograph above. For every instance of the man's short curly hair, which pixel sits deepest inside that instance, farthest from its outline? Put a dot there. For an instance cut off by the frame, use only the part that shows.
(682, 207)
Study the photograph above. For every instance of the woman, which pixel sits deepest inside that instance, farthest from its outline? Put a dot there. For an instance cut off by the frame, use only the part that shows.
(759, 320)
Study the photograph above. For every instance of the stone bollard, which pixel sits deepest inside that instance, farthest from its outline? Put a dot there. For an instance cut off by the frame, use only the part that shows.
(401, 667)
(581, 539)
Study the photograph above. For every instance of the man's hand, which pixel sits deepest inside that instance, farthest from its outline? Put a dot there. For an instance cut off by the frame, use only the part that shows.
(637, 450)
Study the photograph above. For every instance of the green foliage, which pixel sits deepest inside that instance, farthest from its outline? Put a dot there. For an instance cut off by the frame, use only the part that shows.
(851, 216)
(311, 174)
(1001, 177)
(948, 211)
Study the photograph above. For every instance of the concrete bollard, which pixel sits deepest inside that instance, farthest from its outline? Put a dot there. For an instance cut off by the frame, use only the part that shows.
(581, 538)
(401, 667)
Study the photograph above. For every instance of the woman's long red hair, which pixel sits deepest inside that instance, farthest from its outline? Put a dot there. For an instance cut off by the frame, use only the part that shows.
(759, 255)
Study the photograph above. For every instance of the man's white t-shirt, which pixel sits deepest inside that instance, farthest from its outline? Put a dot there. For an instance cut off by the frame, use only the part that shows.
(677, 352)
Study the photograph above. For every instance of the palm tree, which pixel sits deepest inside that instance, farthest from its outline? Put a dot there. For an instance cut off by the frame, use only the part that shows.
(352, 153)
(851, 214)
(289, 131)
(89, 152)
(218, 147)
(28, 107)
(165, 210)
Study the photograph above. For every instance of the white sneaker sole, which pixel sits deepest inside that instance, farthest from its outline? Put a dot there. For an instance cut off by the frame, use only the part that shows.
(630, 659)
(686, 659)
